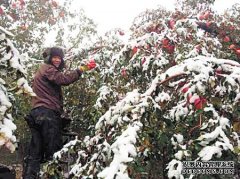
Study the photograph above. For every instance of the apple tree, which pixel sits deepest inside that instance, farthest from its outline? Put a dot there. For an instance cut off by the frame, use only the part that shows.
(171, 95)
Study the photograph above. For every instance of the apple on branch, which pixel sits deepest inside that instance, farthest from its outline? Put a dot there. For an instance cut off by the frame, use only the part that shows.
(121, 33)
(232, 47)
(124, 72)
(22, 3)
(170, 48)
(226, 39)
(14, 5)
(199, 103)
(218, 70)
(134, 50)
(54, 4)
(171, 23)
(206, 15)
(61, 14)
(201, 16)
(165, 42)
(143, 60)
(198, 48)
(237, 51)
(185, 89)
(1, 11)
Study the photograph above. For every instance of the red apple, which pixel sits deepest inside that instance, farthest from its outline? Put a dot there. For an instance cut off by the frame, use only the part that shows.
(181, 83)
(208, 23)
(170, 48)
(198, 48)
(232, 47)
(237, 51)
(171, 23)
(231, 28)
(61, 14)
(134, 50)
(22, 3)
(91, 64)
(218, 70)
(14, 5)
(184, 90)
(189, 97)
(124, 72)
(165, 42)
(226, 39)
(54, 4)
(201, 17)
(121, 32)
(143, 60)
(206, 14)
(199, 102)
(1, 11)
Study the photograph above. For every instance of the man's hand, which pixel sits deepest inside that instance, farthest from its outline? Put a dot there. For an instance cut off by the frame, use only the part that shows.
(90, 65)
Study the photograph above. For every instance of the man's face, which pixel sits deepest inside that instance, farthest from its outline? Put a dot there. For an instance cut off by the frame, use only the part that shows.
(56, 61)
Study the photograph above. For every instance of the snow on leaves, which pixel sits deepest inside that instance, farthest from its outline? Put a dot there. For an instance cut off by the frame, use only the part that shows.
(173, 80)
(12, 69)
(203, 81)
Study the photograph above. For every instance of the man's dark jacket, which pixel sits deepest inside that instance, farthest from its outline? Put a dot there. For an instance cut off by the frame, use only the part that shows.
(47, 86)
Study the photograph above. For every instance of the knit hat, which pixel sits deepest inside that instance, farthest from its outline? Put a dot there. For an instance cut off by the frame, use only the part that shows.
(51, 52)
(55, 51)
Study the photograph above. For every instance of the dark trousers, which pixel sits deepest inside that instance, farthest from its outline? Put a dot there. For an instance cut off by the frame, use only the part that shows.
(45, 126)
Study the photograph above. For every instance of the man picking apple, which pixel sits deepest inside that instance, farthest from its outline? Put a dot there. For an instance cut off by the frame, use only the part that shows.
(44, 119)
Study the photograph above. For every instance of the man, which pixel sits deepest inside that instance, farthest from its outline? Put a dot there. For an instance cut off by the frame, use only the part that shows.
(47, 106)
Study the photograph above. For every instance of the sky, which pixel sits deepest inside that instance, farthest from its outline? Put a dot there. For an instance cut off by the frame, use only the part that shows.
(109, 14)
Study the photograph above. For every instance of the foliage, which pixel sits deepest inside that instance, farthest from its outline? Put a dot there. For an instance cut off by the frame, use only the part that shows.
(170, 94)
(33, 21)
(80, 105)
(12, 79)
